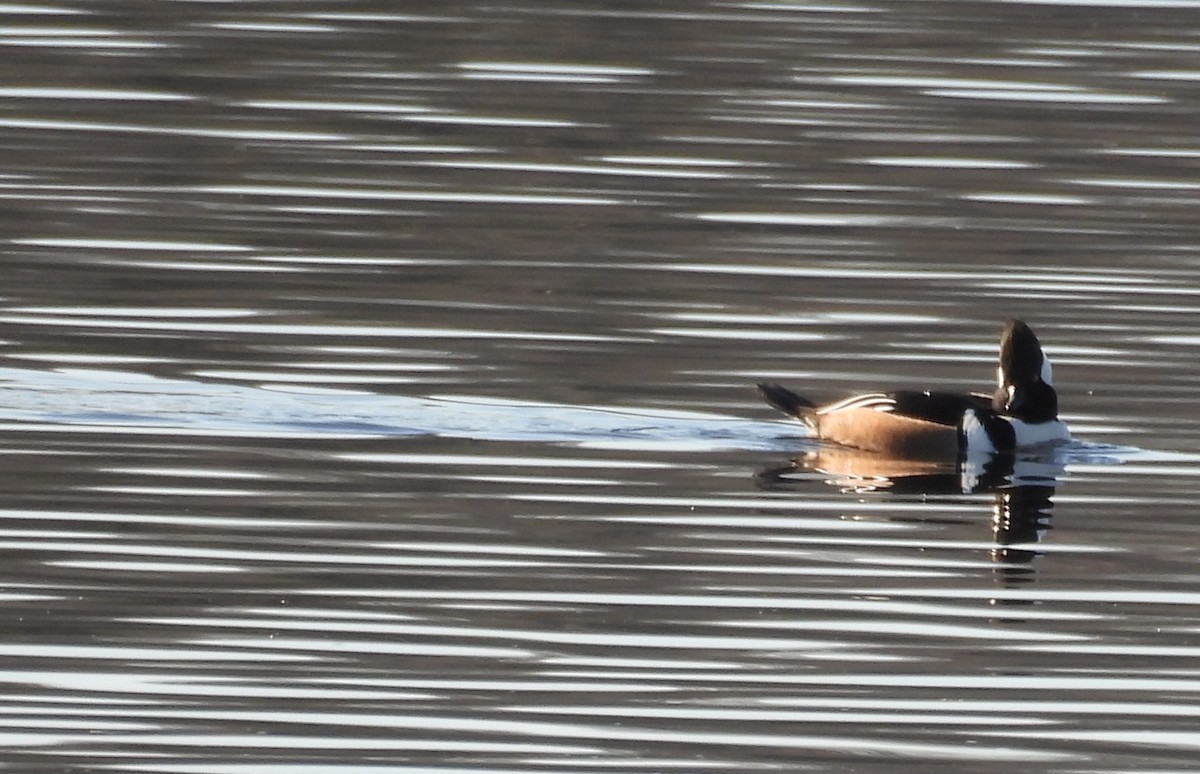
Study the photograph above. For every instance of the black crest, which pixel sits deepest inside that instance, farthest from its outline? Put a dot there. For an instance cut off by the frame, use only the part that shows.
(1021, 356)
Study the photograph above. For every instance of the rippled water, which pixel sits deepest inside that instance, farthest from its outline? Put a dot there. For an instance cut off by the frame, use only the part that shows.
(378, 386)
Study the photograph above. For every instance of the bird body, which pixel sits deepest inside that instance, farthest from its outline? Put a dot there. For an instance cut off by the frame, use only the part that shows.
(1021, 413)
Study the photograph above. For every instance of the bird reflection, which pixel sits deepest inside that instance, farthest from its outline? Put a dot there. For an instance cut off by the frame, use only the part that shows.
(1022, 487)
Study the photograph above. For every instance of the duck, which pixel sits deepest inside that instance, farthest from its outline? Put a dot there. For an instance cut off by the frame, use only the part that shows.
(1021, 413)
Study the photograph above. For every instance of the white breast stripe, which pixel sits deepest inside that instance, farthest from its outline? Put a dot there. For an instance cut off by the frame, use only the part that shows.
(1029, 434)
(975, 435)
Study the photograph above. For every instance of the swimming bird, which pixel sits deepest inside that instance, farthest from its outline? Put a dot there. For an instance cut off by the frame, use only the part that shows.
(927, 424)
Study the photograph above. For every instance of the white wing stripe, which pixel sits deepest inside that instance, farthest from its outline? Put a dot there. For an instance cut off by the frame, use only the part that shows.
(875, 400)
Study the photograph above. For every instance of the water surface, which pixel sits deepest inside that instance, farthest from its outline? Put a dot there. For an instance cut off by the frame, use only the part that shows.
(377, 387)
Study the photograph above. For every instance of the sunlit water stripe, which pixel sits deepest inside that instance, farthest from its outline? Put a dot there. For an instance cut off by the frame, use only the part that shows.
(78, 37)
(106, 425)
(1147, 184)
(1169, 153)
(749, 334)
(475, 461)
(824, 319)
(337, 556)
(1037, 684)
(680, 161)
(1118, 649)
(408, 633)
(923, 630)
(337, 263)
(416, 147)
(123, 244)
(350, 688)
(272, 26)
(16, 597)
(1031, 198)
(498, 120)
(185, 491)
(290, 745)
(44, 92)
(154, 685)
(384, 16)
(774, 503)
(818, 219)
(1169, 281)
(336, 107)
(666, 172)
(1188, 339)
(551, 72)
(997, 89)
(1046, 95)
(176, 520)
(761, 12)
(1094, 596)
(161, 569)
(337, 366)
(1132, 4)
(155, 312)
(996, 705)
(139, 684)
(541, 480)
(558, 68)
(331, 194)
(294, 376)
(275, 329)
(42, 10)
(125, 653)
(943, 162)
(782, 541)
(859, 220)
(810, 104)
(58, 723)
(238, 266)
(1157, 738)
(1067, 289)
(831, 602)
(227, 133)
(948, 717)
(350, 731)
(430, 195)
(322, 647)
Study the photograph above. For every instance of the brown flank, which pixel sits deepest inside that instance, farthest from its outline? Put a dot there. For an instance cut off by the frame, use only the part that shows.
(881, 431)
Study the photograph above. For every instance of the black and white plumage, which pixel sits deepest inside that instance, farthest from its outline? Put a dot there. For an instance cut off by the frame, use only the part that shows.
(1021, 413)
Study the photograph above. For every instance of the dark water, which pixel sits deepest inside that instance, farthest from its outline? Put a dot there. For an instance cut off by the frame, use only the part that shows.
(377, 386)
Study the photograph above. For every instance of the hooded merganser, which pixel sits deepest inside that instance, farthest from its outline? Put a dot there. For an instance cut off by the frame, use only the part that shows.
(1022, 412)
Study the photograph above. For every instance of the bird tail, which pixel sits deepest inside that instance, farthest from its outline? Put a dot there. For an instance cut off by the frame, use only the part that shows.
(790, 403)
